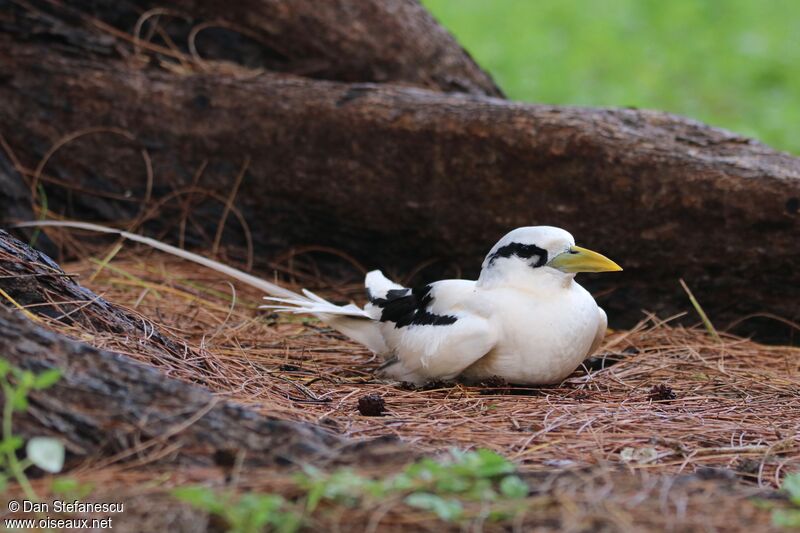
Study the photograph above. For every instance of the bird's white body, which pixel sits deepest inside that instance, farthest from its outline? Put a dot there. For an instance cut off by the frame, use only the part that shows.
(540, 340)
(525, 319)
(535, 334)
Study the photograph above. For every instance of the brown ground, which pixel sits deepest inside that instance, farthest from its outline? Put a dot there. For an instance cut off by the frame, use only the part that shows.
(678, 431)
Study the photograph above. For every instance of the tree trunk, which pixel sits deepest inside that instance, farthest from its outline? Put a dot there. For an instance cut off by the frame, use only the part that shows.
(397, 175)
(348, 40)
(32, 280)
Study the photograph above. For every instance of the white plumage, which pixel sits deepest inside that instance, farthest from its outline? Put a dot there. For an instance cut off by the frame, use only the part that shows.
(525, 319)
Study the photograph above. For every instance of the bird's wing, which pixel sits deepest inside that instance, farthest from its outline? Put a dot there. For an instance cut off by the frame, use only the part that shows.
(423, 353)
(434, 332)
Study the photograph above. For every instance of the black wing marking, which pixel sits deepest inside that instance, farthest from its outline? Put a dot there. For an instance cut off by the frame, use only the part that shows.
(407, 307)
(391, 294)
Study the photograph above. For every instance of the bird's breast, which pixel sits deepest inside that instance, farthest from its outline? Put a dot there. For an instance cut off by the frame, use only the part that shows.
(544, 337)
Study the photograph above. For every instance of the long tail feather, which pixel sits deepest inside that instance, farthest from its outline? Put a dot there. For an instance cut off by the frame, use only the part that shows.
(318, 305)
(244, 277)
(348, 319)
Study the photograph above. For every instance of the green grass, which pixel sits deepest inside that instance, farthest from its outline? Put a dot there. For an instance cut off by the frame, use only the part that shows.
(730, 63)
(442, 487)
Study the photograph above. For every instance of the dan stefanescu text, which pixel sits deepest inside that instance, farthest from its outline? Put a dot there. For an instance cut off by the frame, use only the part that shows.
(75, 506)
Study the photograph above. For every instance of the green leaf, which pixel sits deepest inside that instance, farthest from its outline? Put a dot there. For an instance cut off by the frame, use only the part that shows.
(257, 510)
(11, 444)
(513, 487)
(481, 490)
(26, 379)
(448, 510)
(46, 379)
(760, 503)
(63, 485)
(5, 366)
(47, 453)
(344, 484)
(201, 497)
(791, 484)
(401, 482)
(19, 399)
(786, 518)
(314, 495)
(71, 487)
(309, 474)
(426, 469)
(375, 489)
(484, 463)
(249, 512)
(454, 484)
(287, 522)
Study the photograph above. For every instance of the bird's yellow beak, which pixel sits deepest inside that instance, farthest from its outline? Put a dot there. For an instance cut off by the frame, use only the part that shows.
(578, 259)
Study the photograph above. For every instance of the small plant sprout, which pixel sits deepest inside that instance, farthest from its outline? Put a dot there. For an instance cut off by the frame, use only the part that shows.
(444, 487)
(789, 518)
(46, 453)
(244, 513)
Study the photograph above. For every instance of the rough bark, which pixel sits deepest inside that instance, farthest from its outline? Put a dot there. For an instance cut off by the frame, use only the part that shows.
(349, 40)
(32, 280)
(398, 175)
(107, 404)
(14, 196)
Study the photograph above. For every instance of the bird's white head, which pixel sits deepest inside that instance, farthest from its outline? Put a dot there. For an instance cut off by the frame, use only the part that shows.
(534, 253)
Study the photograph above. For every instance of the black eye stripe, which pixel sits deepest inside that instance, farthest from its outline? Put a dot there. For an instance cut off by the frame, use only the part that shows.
(524, 251)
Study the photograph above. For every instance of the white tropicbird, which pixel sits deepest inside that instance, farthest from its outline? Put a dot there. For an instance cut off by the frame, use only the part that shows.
(525, 319)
